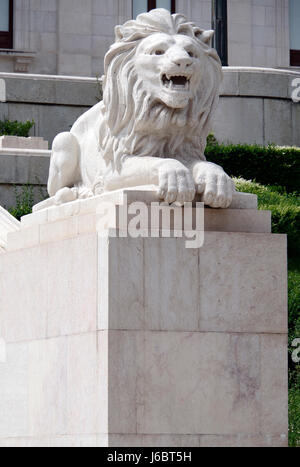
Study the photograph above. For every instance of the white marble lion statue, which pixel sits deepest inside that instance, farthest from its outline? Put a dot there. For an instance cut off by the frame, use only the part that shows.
(160, 90)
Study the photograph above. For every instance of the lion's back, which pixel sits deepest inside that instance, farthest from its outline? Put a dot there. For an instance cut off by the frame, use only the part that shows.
(86, 129)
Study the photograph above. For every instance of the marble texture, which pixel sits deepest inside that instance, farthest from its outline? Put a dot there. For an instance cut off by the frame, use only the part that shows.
(64, 303)
(136, 387)
(14, 392)
(141, 341)
(160, 89)
(221, 390)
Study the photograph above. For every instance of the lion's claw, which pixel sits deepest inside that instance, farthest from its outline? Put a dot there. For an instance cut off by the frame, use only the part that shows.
(176, 183)
(213, 184)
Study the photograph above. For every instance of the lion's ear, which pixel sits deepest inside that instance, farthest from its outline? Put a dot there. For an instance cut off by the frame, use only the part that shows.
(206, 36)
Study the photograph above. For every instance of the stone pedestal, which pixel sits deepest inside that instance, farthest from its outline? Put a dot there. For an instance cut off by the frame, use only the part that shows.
(141, 341)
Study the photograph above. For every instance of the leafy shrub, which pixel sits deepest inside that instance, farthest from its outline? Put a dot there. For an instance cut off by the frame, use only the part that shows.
(15, 128)
(285, 209)
(211, 140)
(270, 165)
(294, 299)
(294, 417)
(294, 321)
(25, 200)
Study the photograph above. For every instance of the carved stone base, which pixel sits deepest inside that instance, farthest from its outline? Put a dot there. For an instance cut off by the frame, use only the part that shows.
(141, 341)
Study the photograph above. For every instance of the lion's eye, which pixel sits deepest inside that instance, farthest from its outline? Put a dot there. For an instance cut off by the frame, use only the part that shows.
(159, 52)
(191, 54)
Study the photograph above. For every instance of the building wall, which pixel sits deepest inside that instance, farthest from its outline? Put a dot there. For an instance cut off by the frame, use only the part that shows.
(86, 34)
(71, 37)
(35, 29)
(197, 11)
(258, 33)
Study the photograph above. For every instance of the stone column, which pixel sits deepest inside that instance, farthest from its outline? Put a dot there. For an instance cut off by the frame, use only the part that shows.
(141, 341)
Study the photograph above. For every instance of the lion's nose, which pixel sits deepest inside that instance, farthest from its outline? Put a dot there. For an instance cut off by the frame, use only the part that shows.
(183, 62)
(180, 57)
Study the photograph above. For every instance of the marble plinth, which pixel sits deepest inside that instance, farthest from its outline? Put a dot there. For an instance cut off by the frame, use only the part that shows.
(141, 341)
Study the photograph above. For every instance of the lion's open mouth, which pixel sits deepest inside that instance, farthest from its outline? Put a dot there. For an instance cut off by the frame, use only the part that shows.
(176, 83)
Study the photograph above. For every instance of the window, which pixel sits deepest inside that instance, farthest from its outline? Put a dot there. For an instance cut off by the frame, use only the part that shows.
(294, 33)
(140, 6)
(219, 24)
(6, 24)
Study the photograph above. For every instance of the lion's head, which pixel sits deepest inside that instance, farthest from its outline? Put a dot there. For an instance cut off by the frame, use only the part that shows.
(160, 88)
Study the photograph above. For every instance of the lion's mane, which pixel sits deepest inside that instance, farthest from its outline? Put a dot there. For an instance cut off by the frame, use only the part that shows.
(130, 113)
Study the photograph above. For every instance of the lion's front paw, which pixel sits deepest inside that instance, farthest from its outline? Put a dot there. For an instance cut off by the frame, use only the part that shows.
(65, 195)
(214, 184)
(176, 183)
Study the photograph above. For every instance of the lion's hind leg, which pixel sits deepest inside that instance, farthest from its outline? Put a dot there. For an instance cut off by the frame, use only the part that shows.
(64, 170)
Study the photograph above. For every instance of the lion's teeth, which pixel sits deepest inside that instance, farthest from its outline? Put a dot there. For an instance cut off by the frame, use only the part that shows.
(171, 82)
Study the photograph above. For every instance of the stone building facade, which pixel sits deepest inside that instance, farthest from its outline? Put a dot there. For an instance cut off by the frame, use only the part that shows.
(70, 37)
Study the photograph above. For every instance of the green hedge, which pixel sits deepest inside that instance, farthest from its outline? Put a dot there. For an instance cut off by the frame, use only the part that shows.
(294, 417)
(294, 368)
(15, 128)
(268, 165)
(285, 209)
(294, 300)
